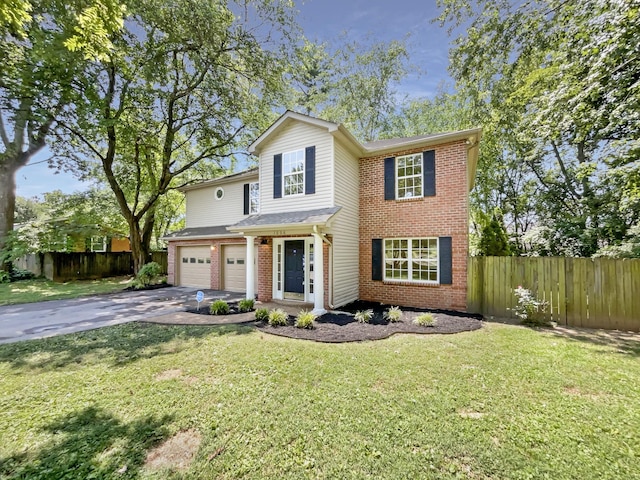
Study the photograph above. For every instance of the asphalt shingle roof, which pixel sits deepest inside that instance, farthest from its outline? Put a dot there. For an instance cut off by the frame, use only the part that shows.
(218, 231)
(306, 217)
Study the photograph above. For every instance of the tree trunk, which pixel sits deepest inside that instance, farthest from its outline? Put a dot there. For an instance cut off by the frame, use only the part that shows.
(8, 171)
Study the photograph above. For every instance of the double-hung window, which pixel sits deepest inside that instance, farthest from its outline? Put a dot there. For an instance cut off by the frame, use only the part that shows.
(254, 198)
(411, 260)
(293, 172)
(409, 176)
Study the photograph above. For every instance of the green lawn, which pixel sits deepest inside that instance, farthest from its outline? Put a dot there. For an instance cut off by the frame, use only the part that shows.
(503, 402)
(40, 289)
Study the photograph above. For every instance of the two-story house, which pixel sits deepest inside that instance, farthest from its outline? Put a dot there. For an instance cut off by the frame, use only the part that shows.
(327, 220)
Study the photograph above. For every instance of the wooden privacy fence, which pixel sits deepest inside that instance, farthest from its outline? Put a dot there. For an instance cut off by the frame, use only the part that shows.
(62, 267)
(581, 292)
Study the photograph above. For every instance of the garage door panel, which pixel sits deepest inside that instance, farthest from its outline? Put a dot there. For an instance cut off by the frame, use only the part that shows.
(194, 266)
(235, 268)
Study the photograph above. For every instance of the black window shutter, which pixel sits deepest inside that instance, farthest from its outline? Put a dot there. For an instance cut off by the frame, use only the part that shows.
(389, 178)
(376, 259)
(429, 173)
(277, 176)
(310, 170)
(246, 199)
(446, 276)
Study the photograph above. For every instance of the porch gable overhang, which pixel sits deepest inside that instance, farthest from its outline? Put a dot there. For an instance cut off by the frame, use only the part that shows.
(284, 223)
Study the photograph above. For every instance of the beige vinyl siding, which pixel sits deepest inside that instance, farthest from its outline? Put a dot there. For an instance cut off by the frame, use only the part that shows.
(203, 210)
(296, 136)
(345, 228)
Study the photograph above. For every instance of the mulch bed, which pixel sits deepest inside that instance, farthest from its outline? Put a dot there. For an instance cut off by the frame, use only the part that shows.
(335, 327)
(339, 327)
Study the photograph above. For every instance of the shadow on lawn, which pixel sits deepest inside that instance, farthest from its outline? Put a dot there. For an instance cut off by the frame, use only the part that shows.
(117, 345)
(90, 443)
(623, 342)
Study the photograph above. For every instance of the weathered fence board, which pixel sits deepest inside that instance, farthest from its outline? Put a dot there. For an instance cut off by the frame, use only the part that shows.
(62, 267)
(581, 292)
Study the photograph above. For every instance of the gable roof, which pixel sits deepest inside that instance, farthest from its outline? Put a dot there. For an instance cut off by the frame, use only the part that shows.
(287, 117)
(318, 217)
(379, 147)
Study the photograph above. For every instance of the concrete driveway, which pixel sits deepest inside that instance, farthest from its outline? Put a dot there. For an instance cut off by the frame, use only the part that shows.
(57, 317)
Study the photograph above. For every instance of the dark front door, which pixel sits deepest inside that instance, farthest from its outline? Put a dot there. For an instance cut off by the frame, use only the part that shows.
(294, 266)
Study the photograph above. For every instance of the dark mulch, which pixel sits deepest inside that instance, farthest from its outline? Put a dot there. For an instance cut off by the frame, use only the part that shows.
(334, 327)
(155, 286)
(204, 309)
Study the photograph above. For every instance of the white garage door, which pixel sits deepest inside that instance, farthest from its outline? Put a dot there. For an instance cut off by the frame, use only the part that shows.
(194, 266)
(235, 268)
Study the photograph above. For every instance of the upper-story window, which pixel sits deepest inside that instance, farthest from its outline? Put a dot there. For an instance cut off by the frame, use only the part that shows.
(254, 198)
(98, 244)
(409, 176)
(293, 172)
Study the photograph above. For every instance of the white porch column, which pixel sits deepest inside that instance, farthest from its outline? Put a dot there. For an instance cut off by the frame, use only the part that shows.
(318, 275)
(251, 269)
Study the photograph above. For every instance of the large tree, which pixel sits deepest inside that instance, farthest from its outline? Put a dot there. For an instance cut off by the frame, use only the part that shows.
(556, 85)
(186, 83)
(352, 83)
(44, 44)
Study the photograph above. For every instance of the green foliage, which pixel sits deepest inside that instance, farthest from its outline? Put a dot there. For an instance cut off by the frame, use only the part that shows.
(17, 274)
(174, 372)
(352, 83)
(278, 317)
(425, 320)
(246, 304)
(148, 274)
(493, 239)
(262, 314)
(40, 289)
(363, 316)
(552, 85)
(528, 308)
(305, 319)
(219, 307)
(4, 276)
(393, 314)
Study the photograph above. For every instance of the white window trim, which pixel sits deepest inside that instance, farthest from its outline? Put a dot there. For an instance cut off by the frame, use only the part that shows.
(421, 175)
(409, 261)
(284, 175)
(104, 243)
(215, 194)
(253, 211)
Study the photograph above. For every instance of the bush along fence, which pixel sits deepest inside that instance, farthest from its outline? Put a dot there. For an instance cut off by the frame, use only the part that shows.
(62, 267)
(580, 292)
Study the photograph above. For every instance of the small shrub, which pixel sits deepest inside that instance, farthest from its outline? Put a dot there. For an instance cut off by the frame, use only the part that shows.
(363, 316)
(18, 274)
(393, 314)
(246, 305)
(529, 308)
(147, 274)
(4, 276)
(278, 317)
(219, 307)
(262, 314)
(305, 319)
(425, 320)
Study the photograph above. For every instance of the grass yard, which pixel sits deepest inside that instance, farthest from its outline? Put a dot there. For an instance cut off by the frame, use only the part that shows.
(40, 289)
(503, 402)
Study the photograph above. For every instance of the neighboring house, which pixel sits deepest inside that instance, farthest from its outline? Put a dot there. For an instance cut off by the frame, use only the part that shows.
(330, 220)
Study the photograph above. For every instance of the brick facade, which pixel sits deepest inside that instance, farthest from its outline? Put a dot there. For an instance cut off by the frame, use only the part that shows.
(445, 214)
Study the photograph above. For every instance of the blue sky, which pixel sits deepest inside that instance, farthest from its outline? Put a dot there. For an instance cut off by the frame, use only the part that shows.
(362, 20)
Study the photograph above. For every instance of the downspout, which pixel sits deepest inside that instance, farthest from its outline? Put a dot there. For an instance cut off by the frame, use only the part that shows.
(330, 263)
